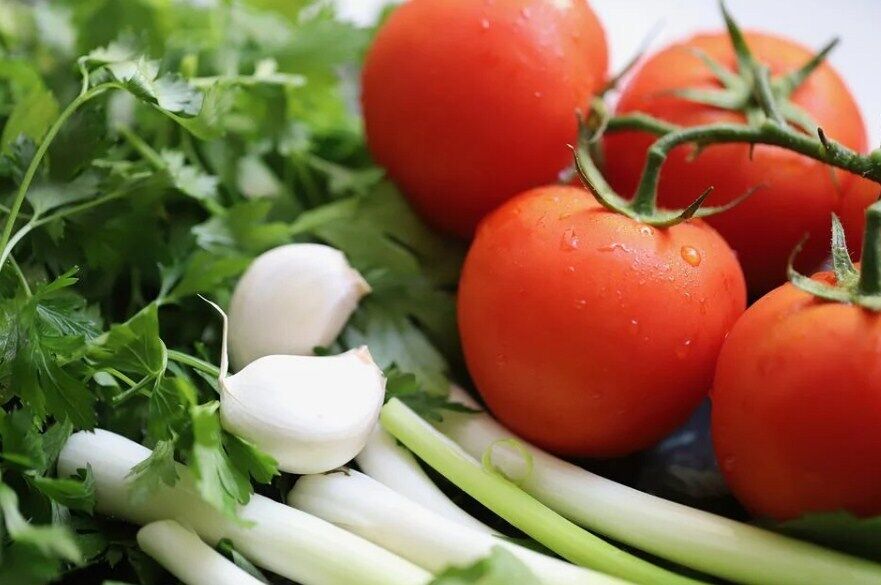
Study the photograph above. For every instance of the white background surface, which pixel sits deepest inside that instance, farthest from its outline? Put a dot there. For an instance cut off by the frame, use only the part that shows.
(813, 22)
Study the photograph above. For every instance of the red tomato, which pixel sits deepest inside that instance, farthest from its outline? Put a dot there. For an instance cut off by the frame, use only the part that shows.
(590, 333)
(469, 102)
(799, 194)
(862, 193)
(797, 406)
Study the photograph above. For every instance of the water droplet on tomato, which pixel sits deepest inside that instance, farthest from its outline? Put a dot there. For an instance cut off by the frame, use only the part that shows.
(580, 304)
(484, 23)
(634, 326)
(569, 240)
(690, 255)
(684, 349)
(537, 94)
(614, 246)
(570, 269)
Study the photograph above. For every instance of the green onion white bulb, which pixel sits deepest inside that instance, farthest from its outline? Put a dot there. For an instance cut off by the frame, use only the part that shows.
(271, 535)
(354, 501)
(183, 554)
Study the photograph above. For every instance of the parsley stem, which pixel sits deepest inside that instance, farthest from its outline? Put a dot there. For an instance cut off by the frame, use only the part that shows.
(120, 376)
(194, 362)
(144, 149)
(506, 499)
(36, 221)
(73, 210)
(31, 171)
(136, 389)
(21, 277)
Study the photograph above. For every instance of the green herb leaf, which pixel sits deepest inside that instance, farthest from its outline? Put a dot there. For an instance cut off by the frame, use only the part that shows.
(169, 93)
(76, 494)
(133, 346)
(839, 530)
(155, 471)
(499, 568)
(22, 442)
(219, 481)
(51, 541)
(406, 388)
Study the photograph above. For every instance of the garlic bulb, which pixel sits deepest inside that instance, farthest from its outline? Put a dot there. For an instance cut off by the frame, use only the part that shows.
(290, 300)
(312, 414)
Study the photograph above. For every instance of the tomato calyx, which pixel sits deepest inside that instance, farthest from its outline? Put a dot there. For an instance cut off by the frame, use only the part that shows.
(751, 89)
(643, 207)
(771, 119)
(856, 286)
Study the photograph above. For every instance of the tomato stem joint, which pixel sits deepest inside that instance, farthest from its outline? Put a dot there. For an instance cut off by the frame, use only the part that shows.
(859, 286)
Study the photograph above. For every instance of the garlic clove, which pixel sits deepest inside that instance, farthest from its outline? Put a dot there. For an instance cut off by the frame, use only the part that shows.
(312, 414)
(290, 300)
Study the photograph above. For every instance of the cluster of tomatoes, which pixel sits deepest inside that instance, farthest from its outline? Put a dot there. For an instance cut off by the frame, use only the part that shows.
(592, 334)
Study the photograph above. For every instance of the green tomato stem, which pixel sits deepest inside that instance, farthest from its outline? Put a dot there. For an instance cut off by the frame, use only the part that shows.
(870, 268)
(768, 132)
(516, 506)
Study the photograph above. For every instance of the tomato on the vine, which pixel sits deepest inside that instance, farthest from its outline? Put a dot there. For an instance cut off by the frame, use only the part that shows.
(861, 194)
(468, 103)
(590, 333)
(797, 406)
(798, 194)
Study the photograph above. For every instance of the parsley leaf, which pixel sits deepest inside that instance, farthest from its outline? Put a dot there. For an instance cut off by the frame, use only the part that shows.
(134, 346)
(406, 388)
(37, 335)
(76, 494)
(839, 530)
(51, 541)
(218, 480)
(499, 568)
(153, 472)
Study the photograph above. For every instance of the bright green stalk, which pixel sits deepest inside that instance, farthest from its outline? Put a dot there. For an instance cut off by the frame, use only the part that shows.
(516, 506)
(714, 545)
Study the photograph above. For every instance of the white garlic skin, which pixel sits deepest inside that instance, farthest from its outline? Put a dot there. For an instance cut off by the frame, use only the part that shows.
(312, 414)
(290, 300)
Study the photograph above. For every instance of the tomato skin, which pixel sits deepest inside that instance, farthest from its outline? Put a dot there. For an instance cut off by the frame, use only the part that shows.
(467, 103)
(588, 333)
(796, 416)
(862, 194)
(798, 194)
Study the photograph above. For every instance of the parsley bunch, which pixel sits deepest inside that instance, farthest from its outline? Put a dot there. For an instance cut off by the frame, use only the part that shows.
(148, 152)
